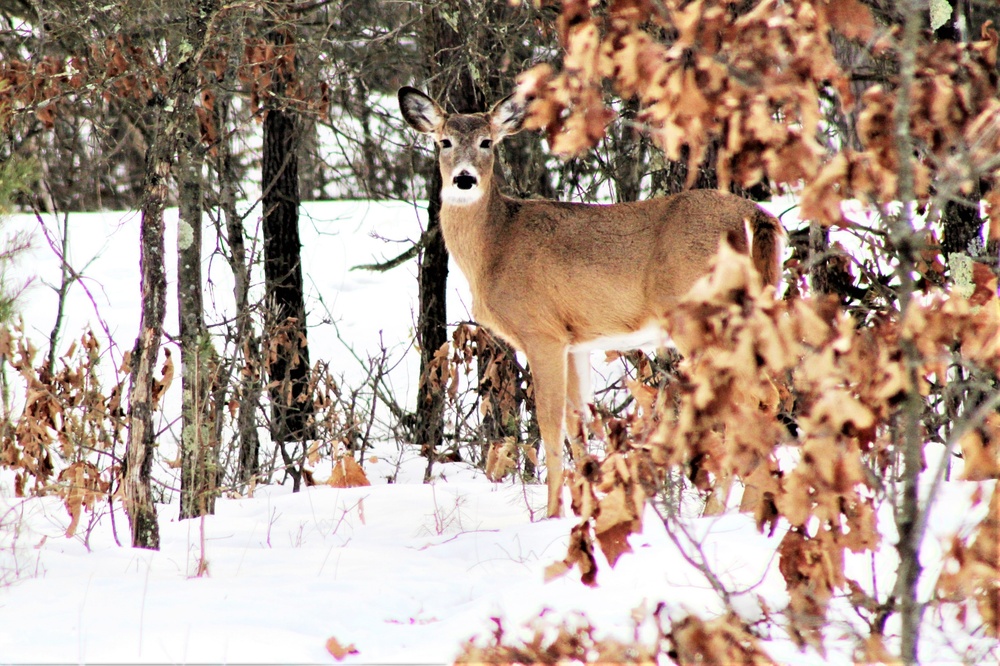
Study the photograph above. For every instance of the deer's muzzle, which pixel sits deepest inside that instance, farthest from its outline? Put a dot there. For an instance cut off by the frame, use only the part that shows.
(465, 181)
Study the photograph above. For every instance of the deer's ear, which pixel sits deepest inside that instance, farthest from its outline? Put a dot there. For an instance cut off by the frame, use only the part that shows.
(507, 116)
(419, 111)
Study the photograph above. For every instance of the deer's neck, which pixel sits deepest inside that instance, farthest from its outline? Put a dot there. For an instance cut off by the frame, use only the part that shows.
(469, 233)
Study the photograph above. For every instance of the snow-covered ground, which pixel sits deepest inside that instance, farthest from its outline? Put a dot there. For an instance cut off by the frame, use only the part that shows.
(404, 572)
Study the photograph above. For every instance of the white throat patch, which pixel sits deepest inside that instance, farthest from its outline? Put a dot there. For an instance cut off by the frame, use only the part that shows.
(454, 196)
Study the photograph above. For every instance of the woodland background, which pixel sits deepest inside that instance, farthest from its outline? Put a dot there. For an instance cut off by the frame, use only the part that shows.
(877, 120)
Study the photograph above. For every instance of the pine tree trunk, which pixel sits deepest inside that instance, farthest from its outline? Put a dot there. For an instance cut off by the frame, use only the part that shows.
(288, 352)
(432, 327)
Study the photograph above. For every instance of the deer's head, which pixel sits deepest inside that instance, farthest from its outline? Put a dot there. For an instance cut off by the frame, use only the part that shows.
(466, 141)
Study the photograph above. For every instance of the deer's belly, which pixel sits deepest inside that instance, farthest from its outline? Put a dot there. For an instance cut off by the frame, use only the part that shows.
(652, 335)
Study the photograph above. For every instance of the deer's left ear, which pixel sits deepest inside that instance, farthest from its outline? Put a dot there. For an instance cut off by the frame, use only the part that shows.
(507, 116)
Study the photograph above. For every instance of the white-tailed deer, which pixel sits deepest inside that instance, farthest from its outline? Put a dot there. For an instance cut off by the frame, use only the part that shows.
(557, 280)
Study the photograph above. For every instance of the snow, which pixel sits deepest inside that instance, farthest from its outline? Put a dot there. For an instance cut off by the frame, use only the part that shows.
(405, 572)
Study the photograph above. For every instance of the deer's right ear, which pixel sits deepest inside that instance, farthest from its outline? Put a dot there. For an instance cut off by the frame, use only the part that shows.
(420, 111)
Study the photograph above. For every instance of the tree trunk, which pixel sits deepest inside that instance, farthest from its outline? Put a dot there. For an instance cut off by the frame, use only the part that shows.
(144, 389)
(907, 437)
(963, 227)
(249, 389)
(246, 359)
(432, 327)
(175, 119)
(432, 321)
(199, 446)
(628, 163)
(288, 352)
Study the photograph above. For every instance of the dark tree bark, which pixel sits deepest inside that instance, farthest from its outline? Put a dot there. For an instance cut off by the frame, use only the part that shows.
(288, 351)
(243, 371)
(283, 278)
(432, 327)
(963, 227)
(629, 155)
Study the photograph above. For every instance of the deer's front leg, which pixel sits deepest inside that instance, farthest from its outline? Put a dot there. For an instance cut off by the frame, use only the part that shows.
(578, 397)
(547, 359)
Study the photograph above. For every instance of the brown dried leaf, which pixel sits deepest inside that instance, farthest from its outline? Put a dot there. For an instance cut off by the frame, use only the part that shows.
(581, 554)
(982, 457)
(644, 395)
(339, 651)
(347, 473)
(725, 640)
(160, 386)
(813, 567)
(873, 651)
(613, 510)
(556, 570)
(500, 460)
(986, 284)
(84, 486)
(614, 541)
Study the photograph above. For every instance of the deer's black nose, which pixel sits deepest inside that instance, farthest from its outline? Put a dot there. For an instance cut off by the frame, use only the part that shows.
(465, 181)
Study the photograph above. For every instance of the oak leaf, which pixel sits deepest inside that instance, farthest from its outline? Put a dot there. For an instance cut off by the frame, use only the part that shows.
(500, 459)
(347, 473)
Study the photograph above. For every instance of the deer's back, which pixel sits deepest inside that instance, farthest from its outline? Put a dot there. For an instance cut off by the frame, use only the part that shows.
(586, 271)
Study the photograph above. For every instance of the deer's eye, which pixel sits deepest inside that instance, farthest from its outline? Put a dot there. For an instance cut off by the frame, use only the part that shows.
(486, 144)
(446, 143)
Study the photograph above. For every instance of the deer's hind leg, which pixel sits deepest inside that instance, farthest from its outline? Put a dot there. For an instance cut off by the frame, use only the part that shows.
(579, 394)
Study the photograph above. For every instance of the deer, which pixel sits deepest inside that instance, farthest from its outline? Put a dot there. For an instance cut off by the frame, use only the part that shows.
(557, 280)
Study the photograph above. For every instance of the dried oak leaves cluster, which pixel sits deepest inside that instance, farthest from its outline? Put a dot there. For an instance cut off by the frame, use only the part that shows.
(751, 357)
(124, 68)
(761, 83)
(67, 413)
